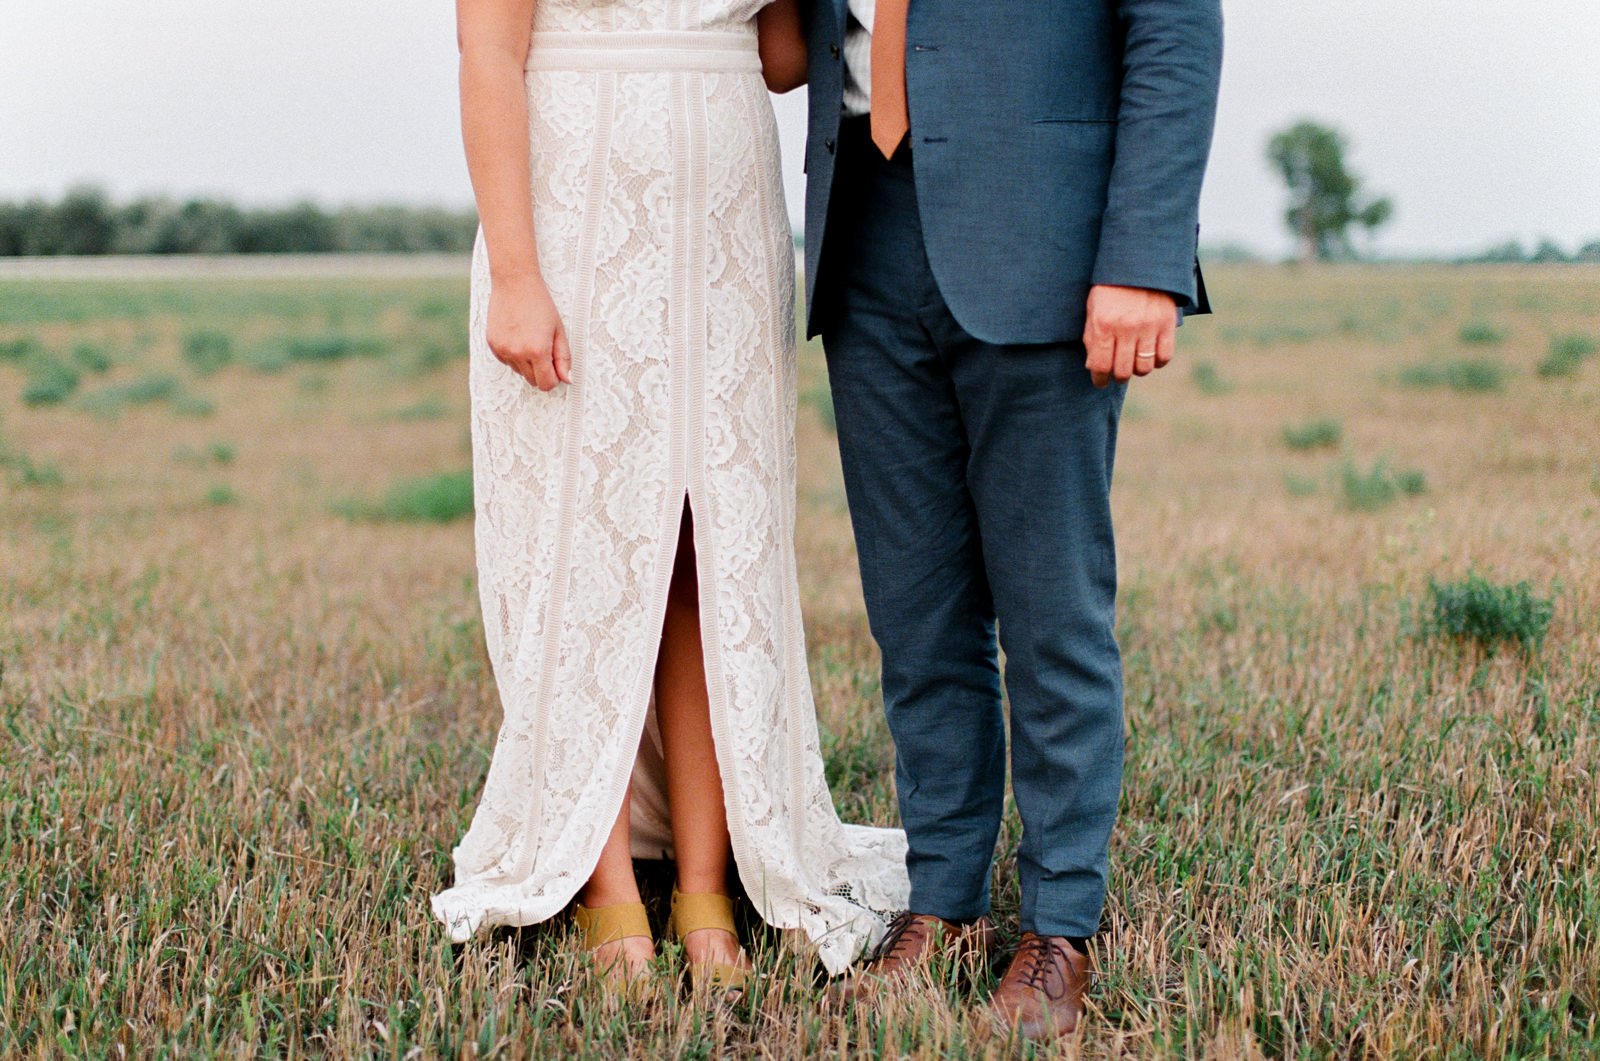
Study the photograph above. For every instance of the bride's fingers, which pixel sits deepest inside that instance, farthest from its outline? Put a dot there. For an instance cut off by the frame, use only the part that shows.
(544, 372)
(523, 365)
(562, 355)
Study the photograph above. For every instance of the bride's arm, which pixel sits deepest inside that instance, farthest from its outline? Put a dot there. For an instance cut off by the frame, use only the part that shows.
(783, 45)
(524, 329)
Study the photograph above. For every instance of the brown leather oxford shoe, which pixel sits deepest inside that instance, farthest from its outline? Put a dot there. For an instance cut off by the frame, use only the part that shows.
(913, 945)
(1042, 994)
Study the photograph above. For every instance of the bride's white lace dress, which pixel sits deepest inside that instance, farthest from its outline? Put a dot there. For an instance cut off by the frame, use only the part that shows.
(665, 242)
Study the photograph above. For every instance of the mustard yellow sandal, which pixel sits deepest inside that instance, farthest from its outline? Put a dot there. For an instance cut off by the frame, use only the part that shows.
(608, 924)
(692, 913)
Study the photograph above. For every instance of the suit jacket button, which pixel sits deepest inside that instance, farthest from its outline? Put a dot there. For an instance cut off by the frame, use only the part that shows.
(827, 145)
(833, 50)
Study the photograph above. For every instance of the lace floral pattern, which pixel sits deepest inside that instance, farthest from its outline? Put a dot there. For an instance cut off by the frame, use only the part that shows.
(664, 240)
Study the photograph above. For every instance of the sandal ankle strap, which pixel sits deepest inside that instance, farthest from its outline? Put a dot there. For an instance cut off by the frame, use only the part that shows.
(701, 910)
(607, 924)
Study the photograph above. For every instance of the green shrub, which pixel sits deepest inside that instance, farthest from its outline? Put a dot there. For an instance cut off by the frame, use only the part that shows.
(1481, 333)
(207, 350)
(153, 387)
(1567, 352)
(221, 494)
(267, 357)
(19, 349)
(1208, 379)
(1313, 434)
(50, 381)
(91, 358)
(1371, 490)
(1474, 375)
(439, 308)
(24, 472)
(192, 405)
(1478, 610)
(1299, 485)
(330, 346)
(216, 453)
(428, 499)
(426, 409)
(434, 354)
(1367, 491)
(1411, 482)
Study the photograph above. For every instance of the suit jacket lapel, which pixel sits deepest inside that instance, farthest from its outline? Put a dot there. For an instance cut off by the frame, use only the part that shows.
(840, 10)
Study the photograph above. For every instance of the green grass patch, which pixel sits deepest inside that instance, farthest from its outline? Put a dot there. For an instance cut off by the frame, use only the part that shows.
(425, 409)
(91, 358)
(153, 387)
(1208, 379)
(1466, 375)
(1299, 485)
(1480, 333)
(1377, 487)
(50, 380)
(426, 499)
(1411, 481)
(1312, 434)
(221, 494)
(207, 350)
(332, 346)
(1283, 333)
(441, 308)
(22, 470)
(1475, 609)
(436, 353)
(1566, 354)
(215, 453)
(186, 403)
(266, 358)
(19, 349)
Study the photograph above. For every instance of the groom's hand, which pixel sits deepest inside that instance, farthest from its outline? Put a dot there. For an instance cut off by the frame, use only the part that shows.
(1129, 331)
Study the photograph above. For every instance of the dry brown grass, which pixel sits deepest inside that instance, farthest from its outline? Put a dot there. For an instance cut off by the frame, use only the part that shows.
(239, 737)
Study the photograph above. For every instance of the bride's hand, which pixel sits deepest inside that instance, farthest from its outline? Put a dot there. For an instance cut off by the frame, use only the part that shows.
(525, 333)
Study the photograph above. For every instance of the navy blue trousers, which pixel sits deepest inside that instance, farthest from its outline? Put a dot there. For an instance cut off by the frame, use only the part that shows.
(978, 479)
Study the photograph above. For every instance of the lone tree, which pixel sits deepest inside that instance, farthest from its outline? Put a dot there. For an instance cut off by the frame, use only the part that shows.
(1324, 197)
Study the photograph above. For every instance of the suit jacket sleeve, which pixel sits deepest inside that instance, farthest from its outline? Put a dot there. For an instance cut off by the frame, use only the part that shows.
(1172, 63)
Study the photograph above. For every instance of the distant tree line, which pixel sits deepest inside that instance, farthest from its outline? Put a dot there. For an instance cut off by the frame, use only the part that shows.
(86, 221)
(1511, 252)
(1514, 252)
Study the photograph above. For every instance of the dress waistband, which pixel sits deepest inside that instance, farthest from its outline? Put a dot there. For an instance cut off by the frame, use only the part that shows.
(690, 50)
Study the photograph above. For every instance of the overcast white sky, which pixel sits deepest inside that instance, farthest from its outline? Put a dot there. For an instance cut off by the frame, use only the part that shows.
(1480, 117)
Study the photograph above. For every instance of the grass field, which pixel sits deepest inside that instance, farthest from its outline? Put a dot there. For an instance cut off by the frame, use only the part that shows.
(245, 709)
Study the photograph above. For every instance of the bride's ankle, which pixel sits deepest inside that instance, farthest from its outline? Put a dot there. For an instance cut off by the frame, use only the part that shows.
(702, 885)
(598, 894)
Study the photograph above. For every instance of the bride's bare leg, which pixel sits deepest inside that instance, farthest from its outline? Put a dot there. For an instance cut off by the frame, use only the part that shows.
(694, 782)
(613, 882)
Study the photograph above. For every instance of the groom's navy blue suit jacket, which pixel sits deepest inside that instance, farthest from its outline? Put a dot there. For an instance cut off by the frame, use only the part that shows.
(1057, 144)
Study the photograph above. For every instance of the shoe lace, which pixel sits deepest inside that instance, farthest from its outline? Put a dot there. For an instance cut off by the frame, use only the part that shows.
(1038, 957)
(898, 934)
